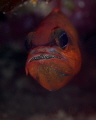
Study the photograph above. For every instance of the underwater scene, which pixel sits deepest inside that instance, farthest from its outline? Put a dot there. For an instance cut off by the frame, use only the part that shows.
(47, 60)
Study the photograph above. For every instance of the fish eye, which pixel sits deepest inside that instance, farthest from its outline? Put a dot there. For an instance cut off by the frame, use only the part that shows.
(63, 39)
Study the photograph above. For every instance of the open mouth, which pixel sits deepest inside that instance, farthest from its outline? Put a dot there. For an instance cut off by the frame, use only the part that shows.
(39, 57)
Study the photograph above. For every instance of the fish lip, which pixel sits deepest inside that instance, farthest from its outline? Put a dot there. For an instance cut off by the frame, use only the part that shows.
(47, 57)
(44, 57)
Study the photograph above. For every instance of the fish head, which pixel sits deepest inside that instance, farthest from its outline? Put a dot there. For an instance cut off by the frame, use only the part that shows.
(54, 56)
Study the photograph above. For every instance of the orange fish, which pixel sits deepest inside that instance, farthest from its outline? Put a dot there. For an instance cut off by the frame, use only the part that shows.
(54, 57)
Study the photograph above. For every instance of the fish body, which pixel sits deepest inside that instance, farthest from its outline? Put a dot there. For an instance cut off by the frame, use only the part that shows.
(54, 56)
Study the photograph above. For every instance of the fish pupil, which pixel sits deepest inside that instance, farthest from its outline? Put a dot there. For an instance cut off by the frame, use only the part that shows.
(63, 39)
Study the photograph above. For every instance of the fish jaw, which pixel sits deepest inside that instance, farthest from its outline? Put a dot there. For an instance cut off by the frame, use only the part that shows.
(51, 70)
(49, 73)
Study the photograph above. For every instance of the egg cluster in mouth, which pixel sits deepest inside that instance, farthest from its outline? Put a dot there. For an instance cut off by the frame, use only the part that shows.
(39, 57)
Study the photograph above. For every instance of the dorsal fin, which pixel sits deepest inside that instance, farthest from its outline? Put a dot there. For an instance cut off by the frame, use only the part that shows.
(58, 6)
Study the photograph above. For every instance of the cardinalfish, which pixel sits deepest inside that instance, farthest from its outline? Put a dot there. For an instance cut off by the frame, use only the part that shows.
(54, 56)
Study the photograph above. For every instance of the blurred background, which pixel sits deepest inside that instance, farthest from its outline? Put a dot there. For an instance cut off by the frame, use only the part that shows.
(21, 97)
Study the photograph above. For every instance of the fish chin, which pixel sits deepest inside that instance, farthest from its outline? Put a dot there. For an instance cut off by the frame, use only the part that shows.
(51, 78)
(52, 74)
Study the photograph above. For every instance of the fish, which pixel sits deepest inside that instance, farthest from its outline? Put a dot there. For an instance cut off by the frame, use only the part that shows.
(54, 56)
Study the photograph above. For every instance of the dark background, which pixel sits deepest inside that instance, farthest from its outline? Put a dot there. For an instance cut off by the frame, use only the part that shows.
(21, 97)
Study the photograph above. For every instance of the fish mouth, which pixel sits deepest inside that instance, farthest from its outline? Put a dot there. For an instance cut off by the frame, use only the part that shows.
(40, 57)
